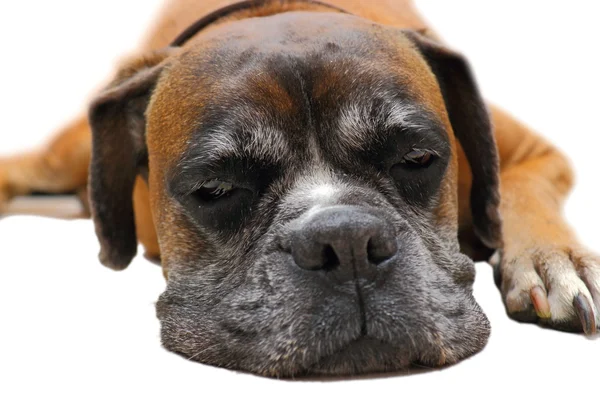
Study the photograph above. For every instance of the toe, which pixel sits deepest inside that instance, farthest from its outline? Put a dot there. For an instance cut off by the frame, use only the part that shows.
(539, 299)
(525, 298)
(585, 311)
(589, 271)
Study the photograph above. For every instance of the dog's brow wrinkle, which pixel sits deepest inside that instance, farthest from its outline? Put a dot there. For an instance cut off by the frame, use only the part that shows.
(220, 142)
(258, 142)
(357, 123)
(267, 143)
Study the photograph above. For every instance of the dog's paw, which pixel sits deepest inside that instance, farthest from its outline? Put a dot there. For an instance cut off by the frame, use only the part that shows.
(559, 288)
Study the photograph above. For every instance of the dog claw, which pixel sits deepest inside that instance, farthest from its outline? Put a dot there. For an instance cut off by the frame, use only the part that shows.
(585, 312)
(540, 302)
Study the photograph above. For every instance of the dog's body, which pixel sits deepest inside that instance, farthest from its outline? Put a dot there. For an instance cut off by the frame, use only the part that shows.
(347, 69)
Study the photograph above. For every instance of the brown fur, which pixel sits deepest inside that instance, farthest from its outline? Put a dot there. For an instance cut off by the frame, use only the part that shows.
(535, 177)
(62, 166)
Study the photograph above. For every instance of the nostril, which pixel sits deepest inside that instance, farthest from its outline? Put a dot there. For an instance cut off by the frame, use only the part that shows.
(330, 258)
(381, 249)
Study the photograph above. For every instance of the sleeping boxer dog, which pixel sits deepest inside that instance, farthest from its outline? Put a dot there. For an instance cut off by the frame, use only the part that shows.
(316, 180)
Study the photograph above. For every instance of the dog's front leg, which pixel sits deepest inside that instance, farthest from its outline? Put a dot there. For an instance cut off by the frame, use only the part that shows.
(61, 166)
(543, 272)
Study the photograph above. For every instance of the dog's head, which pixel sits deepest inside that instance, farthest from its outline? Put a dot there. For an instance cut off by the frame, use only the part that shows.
(303, 181)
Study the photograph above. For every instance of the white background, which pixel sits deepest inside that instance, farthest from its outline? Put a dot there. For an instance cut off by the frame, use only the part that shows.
(70, 328)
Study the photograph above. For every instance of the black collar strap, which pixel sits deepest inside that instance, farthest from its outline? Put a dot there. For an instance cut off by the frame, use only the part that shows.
(233, 8)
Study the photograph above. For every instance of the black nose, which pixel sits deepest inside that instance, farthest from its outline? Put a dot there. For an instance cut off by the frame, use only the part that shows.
(348, 241)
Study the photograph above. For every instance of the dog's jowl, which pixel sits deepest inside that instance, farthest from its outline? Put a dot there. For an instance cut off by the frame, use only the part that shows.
(316, 180)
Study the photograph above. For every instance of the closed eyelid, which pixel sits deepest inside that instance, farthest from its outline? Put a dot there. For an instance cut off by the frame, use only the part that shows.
(246, 173)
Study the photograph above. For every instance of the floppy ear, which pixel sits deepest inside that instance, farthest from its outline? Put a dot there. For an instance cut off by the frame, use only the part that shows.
(472, 126)
(118, 123)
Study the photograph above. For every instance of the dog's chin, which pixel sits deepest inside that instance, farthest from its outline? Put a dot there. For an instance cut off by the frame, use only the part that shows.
(291, 327)
(357, 353)
(364, 355)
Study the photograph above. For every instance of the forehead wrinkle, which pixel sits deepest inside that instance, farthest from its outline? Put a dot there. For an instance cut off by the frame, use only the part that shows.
(252, 137)
(263, 143)
(359, 123)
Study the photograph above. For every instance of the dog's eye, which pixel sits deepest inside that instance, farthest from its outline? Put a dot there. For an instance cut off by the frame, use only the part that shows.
(418, 158)
(214, 189)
